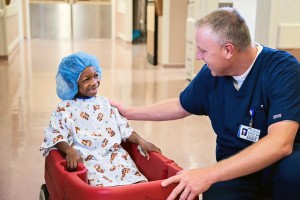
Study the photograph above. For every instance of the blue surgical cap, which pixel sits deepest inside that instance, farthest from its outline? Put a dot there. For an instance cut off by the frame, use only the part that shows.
(69, 71)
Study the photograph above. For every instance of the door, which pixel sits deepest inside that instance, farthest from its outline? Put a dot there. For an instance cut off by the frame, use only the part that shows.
(70, 19)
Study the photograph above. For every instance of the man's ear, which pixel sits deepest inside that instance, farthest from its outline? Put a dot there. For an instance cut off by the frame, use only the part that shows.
(228, 49)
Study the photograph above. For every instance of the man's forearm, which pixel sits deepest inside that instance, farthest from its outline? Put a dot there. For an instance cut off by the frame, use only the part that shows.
(162, 111)
(270, 149)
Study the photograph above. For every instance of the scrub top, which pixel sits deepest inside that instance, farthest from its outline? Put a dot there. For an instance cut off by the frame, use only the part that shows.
(271, 90)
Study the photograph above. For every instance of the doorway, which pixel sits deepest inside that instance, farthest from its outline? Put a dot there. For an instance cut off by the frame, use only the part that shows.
(70, 19)
(152, 32)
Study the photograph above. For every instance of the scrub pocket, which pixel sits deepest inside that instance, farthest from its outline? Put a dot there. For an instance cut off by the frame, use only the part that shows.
(260, 120)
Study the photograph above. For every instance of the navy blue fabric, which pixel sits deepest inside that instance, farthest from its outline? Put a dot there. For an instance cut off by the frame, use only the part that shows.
(277, 182)
(272, 88)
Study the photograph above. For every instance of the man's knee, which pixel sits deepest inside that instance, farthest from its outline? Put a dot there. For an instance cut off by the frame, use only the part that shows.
(286, 179)
(288, 169)
(236, 189)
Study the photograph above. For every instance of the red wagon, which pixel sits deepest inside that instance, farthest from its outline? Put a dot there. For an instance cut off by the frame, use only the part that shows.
(62, 184)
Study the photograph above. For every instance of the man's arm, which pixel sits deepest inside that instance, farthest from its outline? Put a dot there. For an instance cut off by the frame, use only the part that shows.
(166, 110)
(268, 150)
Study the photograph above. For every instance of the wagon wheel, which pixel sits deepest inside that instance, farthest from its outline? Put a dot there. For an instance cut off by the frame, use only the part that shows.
(44, 194)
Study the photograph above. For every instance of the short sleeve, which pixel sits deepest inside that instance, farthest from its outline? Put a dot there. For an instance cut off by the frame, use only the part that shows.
(194, 98)
(57, 131)
(284, 95)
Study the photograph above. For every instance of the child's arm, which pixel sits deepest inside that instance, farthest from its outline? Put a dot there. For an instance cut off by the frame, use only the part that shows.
(145, 145)
(128, 134)
(72, 155)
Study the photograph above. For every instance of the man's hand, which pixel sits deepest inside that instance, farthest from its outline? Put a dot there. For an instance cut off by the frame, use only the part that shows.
(119, 106)
(191, 183)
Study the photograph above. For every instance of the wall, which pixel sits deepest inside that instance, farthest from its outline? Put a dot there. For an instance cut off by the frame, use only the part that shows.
(275, 23)
(122, 21)
(3, 45)
(9, 22)
(247, 8)
(25, 20)
(177, 31)
(278, 23)
(171, 33)
(289, 24)
(163, 32)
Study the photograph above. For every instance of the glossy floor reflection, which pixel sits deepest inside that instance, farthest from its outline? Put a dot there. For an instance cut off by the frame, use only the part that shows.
(27, 86)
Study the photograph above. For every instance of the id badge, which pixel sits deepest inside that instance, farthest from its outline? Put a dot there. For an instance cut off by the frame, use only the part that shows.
(248, 133)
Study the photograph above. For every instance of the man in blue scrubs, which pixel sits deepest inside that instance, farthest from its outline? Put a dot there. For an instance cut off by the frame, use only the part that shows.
(251, 94)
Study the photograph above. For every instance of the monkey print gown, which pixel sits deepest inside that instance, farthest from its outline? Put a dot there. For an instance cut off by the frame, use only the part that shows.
(95, 129)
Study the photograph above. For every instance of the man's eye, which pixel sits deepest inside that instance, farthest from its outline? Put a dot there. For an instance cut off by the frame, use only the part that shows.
(96, 76)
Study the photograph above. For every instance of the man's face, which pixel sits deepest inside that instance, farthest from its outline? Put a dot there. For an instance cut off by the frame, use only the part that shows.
(88, 82)
(210, 51)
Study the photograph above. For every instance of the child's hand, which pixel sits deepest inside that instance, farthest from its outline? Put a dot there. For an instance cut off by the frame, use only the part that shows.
(73, 158)
(148, 146)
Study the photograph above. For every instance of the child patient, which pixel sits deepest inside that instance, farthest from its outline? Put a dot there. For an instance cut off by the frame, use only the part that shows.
(86, 128)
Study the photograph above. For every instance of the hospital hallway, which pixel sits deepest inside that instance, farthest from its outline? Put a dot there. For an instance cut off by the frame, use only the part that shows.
(28, 96)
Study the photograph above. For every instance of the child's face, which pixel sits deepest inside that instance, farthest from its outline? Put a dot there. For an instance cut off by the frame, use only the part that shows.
(88, 82)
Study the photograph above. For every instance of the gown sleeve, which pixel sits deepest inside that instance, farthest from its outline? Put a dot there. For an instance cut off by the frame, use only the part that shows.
(122, 123)
(58, 130)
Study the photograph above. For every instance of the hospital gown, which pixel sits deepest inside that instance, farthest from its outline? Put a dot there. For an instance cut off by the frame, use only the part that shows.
(95, 129)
